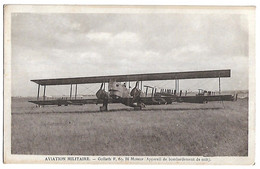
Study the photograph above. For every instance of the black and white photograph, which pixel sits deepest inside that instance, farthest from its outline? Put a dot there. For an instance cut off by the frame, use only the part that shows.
(129, 84)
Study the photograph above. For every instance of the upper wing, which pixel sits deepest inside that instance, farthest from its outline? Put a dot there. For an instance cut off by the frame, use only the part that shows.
(136, 77)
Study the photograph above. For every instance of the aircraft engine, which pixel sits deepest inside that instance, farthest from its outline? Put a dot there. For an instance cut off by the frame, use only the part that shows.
(135, 92)
(101, 93)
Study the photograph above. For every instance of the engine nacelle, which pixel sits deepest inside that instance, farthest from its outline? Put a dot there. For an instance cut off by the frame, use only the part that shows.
(135, 92)
(102, 94)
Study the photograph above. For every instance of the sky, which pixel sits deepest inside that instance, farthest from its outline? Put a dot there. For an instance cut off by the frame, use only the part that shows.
(75, 45)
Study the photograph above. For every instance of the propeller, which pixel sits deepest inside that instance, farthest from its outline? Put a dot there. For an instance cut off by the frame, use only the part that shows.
(101, 85)
(136, 84)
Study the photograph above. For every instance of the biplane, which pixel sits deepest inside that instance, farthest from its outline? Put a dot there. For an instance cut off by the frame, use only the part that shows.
(118, 92)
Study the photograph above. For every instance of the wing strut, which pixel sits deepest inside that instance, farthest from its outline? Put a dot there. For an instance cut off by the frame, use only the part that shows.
(70, 91)
(76, 88)
(39, 86)
(177, 85)
(44, 89)
(219, 89)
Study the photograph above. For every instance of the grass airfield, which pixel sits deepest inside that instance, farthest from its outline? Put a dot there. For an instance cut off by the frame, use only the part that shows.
(179, 129)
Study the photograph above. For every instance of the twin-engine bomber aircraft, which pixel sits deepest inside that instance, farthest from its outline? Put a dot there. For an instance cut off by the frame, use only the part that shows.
(119, 93)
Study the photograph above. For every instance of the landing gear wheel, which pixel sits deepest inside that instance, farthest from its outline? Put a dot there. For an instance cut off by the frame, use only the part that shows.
(103, 108)
(137, 108)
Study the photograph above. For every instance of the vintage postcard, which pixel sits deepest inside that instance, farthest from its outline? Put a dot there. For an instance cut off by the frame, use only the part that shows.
(129, 84)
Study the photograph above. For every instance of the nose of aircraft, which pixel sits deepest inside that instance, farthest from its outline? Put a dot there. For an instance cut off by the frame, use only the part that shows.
(113, 86)
(115, 89)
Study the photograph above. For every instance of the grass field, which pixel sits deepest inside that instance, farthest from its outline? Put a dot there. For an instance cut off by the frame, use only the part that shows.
(181, 129)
